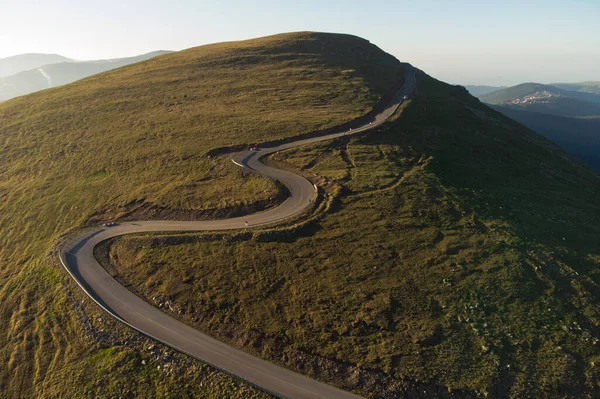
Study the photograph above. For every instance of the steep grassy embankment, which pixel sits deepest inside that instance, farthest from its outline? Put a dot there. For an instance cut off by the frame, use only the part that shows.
(462, 255)
(130, 143)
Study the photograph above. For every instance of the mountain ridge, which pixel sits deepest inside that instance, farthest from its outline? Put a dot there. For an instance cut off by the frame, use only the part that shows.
(568, 115)
(587, 86)
(479, 90)
(580, 136)
(23, 62)
(518, 92)
(61, 73)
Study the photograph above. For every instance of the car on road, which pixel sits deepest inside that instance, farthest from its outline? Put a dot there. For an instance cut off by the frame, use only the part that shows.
(253, 149)
(109, 224)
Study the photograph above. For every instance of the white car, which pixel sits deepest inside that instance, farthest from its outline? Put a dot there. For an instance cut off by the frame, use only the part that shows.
(406, 97)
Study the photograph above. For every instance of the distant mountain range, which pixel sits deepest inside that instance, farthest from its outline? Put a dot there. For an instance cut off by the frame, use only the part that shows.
(580, 136)
(24, 62)
(546, 99)
(586, 87)
(482, 90)
(58, 73)
(566, 113)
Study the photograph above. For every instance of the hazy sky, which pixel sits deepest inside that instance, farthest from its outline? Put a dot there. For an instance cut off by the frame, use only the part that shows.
(460, 41)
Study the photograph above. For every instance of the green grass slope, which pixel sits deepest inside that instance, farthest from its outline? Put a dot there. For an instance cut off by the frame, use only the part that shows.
(460, 258)
(131, 143)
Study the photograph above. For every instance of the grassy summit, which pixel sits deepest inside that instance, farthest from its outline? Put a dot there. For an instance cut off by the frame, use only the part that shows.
(131, 143)
(461, 255)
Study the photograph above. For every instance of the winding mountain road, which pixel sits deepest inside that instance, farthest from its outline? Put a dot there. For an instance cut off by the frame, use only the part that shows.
(77, 256)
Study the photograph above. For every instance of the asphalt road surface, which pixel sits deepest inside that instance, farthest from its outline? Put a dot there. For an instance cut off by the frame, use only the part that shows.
(77, 256)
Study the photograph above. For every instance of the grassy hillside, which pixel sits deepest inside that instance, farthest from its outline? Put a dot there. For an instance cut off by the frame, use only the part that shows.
(130, 143)
(579, 136)
(58, 74)
(461, 254)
